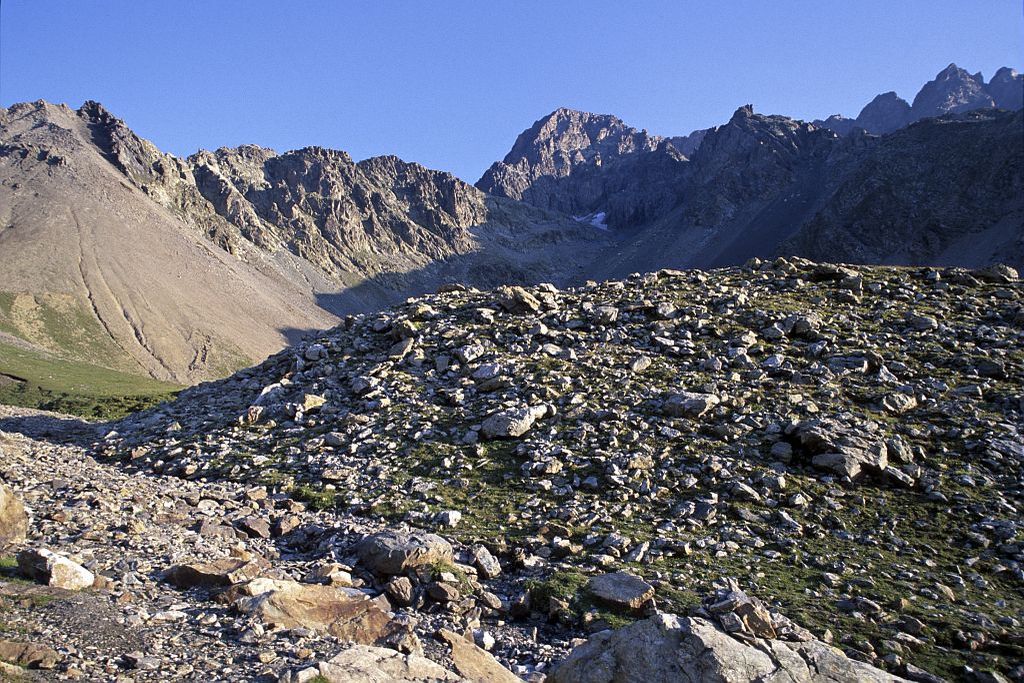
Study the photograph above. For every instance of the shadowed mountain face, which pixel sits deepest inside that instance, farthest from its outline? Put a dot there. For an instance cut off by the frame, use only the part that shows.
(761, 185)
(945, 191)
(117, 254)
(584, 164)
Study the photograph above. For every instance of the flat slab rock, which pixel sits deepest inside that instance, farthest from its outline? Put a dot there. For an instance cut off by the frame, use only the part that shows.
(621, 589)
(345, 613)
(218, 573)
(394, 552)
(669, 649)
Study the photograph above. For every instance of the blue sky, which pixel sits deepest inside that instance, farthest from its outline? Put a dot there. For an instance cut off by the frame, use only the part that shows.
(451, 83)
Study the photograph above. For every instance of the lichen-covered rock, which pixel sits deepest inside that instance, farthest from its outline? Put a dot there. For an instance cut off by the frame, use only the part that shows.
(394, 552)
(13, 518)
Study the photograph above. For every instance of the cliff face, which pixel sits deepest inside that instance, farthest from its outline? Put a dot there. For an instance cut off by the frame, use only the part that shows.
(336, 213)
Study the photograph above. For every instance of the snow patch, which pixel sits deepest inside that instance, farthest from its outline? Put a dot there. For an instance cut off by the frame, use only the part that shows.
(595, 219)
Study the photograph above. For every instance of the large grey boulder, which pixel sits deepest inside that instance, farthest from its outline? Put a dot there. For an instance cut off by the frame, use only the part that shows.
(394, 552)
(512, 422)
(671, 649)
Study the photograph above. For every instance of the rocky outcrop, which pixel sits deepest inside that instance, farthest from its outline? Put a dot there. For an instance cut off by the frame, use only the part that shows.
(667, 648)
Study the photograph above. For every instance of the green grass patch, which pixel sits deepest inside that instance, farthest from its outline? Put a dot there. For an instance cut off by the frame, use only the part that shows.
(315, 498)
(33, 380)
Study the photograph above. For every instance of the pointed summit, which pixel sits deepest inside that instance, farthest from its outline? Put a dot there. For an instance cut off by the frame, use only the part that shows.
(953, 90)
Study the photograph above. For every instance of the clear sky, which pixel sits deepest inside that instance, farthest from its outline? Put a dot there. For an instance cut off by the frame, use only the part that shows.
(451, 83)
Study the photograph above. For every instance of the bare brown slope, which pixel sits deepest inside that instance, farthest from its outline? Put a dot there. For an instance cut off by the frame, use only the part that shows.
(85, 254)
(116, 253)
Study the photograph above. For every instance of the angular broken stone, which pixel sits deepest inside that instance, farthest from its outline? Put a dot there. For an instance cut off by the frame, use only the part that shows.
(47, 567)
(515, 299)
(689, 404)
(845, 449)
(475, 663)
(485, 562)
(218, 573)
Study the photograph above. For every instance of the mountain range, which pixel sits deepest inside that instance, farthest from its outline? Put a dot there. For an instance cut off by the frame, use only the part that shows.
(953, 90)
(119, 255)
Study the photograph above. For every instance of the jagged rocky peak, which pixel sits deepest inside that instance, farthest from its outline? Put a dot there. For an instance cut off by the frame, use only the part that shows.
(746, 128)
(591, 166)
(559, 144)
(579, 136)
(322, 205)
(953, 90)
